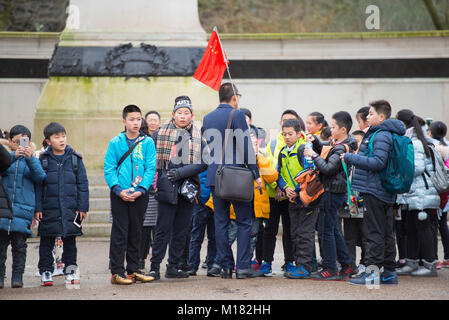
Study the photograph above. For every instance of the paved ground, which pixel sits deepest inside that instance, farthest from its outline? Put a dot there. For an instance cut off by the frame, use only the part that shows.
(93, 262)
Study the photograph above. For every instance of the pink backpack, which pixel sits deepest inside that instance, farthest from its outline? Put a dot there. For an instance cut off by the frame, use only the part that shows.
(447, 163)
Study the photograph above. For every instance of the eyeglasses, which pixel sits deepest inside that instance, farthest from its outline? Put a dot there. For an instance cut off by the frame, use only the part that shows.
(16, 142)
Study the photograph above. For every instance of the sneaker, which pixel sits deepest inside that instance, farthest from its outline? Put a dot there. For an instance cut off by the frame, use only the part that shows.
(204, 265)
(175, 272)
(58, 272)
(46, 279)
(289, 267)
(72, 278)
(361, 267)
(439, 265)
(297, 273)
(255, 265)
(265, 270)
(347, 271)
(191, 271)
(215, 271)
(445, 264)
(325, 274)
(120, 279)
(389, 277)
(365, 279)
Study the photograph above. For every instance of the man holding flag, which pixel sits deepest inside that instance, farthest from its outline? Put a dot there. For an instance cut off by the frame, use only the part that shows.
(210, 72)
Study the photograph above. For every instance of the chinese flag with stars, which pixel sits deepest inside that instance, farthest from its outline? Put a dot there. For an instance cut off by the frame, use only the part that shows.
(212, 66)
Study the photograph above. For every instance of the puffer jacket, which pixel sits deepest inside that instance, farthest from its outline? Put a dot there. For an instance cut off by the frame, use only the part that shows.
(332, 174)
(19, 182)
(5, 203)
(61, 194)
(420, 196)
(366, 177)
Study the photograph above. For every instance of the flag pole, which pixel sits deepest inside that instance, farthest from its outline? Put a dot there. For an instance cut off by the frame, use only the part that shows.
(227, 64)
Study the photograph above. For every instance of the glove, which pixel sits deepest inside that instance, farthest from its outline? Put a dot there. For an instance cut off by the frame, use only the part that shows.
(173, 175)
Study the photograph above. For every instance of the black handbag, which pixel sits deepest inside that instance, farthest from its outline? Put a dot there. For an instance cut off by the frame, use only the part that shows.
(231, 182)
(167, 191)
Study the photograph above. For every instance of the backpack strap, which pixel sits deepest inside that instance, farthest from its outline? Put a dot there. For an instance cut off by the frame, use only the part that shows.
(371, 143)
(75, 164)
(44, 161)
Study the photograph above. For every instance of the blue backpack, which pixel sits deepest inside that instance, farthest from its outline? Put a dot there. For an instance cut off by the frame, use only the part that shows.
(398, 174)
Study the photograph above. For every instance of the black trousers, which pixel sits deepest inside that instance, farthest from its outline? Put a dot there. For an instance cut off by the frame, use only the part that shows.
(173, 224)
(46, 259)
(302, 230)
(18, 250)
(401, 235)
(378, 235)
(420, 236)
(278, 210)
(145, 244)
(353, 235)
(126, 233)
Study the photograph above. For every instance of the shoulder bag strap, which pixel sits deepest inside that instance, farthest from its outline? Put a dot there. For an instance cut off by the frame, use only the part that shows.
(225, 142)
(129, 151)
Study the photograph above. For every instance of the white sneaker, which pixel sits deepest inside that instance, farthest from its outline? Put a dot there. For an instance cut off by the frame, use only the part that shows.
(361, 268)
(58, 272)
(46, 280)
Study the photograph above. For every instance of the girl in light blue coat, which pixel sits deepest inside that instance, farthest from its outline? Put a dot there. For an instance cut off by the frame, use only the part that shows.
(420, 203)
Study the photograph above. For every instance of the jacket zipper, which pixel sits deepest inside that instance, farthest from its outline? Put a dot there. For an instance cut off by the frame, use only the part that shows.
(14, 192)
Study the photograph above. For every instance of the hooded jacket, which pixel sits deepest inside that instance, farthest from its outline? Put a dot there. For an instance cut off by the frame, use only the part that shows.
(366, 177)
(422, 194)
(332, 174)
(61, 194)
(19, 182)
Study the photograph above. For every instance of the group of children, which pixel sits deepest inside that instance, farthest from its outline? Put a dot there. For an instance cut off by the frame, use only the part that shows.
(315, 176)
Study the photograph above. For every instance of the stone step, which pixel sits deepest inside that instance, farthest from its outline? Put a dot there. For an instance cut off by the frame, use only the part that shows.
(99, 204)
(96, 230)
(97, 217)
(96, 180)
(99, 191)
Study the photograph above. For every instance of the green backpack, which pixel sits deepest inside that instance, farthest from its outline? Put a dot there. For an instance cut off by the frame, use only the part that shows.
(398, 174)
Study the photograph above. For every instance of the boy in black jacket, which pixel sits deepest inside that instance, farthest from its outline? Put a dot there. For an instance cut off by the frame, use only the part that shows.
(333, 178)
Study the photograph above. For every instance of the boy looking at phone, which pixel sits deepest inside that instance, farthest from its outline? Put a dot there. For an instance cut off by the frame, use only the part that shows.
(62, 196)
(24, 171)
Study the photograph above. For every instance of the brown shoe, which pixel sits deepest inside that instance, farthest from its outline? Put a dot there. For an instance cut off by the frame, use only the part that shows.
(140, 277)
(116, 279)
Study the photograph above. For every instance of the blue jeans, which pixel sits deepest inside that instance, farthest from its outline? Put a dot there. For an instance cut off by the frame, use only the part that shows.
(201, 220)
(244, 221)
(333, 243)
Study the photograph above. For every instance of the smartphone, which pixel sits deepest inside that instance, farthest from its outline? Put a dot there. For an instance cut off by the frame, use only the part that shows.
(24, 141)
(77, 222)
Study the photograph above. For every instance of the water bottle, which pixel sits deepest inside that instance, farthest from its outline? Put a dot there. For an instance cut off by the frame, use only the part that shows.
(308, 162)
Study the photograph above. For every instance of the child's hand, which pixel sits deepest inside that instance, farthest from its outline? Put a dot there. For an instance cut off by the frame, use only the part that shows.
(342, 157)
(38, 216)
(308, 152)
(136, 194)
(28, 152)
(126, 196)
(82, 214)
(290, 193)
(280, 195)
(310, 138)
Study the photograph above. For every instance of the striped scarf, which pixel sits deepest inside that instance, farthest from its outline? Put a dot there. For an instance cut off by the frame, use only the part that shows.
(166, 147)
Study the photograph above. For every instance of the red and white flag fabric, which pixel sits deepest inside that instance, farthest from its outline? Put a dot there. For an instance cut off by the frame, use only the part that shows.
(213, 64)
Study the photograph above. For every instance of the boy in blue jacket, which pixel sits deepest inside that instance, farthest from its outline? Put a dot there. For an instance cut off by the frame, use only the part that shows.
(62, 196)
(379, 240)
(19, 181)
(129, 169)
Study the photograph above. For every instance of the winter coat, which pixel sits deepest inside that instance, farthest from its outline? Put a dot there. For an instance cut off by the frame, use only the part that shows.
(217, 120)
(61, 194)
(366, 177)
(268, 175)
(420, 196)
(19, 182)
(332, 174)
(5, 203)
(186, 171)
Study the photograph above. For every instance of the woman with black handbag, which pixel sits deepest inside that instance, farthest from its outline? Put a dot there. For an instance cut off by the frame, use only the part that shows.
(179, 148)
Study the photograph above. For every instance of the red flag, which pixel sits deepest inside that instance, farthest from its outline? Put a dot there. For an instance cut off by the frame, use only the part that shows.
(212, 66)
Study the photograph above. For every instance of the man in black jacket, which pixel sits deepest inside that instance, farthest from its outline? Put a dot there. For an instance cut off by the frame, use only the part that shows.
(334, 181)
